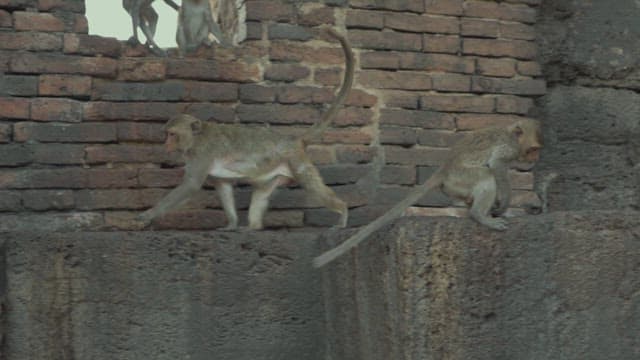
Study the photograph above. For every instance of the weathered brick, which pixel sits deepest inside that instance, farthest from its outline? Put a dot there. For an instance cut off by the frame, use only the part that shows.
(15, 155)
(109, 199)
(441, 44)
(364, 19)
(347, 136)
(141, 111)
(57, 132)
(91, 45)
(458, 103)
(380, 60)
(10, 201)
(104, 178)
(398, 174)
(18, 85)
(496, 67)
(355, 154)
(415, 156)
(359, 97)
(341, 174)
(437, 62)
(64, 85)
(5, 132)
(63, 64)
(14, 108)
(63, 178)
(425, 172)
(422, 23)
(502, 11)
(521, 13)
(201, 219)
(58, 154)
(18, 4)
(5, 19)
(444, 7)
(125, 153)
(314, 16)
(40, 200)
(32, 41)
(286, 72)
(252, 93)
(146, 69)
(480, 121)
(289, 32)
(33, 21)
(160, 177)
(52, 109)
(277, 114)
(398, 5)
(62, 5)
(79, 24)
(269, 10)
(509, 86)
(321, 154)
(136, 131)
(254, 30)
(517, 31)
(200, 69)
(328, 77)
(490, 47)
(304, 94)
(479, 28)
(353, 116)
(300, 52)
(170, 90)
(370, 39)
(529, 68)
(437, 138)
(394, 80)
(513, 104)
(401, 99)
(398, 135)
(451, 82)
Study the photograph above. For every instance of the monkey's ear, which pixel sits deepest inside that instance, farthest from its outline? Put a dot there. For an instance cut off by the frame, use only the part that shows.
(196, 126)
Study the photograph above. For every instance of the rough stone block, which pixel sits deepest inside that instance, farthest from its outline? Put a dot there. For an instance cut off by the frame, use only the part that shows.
(32, 41)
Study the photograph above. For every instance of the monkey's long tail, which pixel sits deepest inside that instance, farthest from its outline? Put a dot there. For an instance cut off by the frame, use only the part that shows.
(172, 4)
(395, 212)
(316, 130)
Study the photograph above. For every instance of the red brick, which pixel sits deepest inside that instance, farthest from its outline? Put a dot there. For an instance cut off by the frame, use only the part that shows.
(202, 219)
(451, 82)
(5, 19)
(286, 72)
(347, 136)
(437, 62)
(277, 114)
(311, 16)
(64, 85)
(401, 99)
(5, 133)
(359, 97)
(438, 138)
(365, 19)
(417, 118)
(394, 80)
(136, 131)
(63, 5)
(355, 154)
(496, 67)
(489, 47)
(63, 178)
(321, 154)
(422, 23)
(145, 69)
(353, 116)
(327, 77)
(40, 200)
(14, 108)
(58, 154)
(117, 199)
(398, 174)
(379, 60)
(32, 41)
(160, 177)
(200, 69)
(458, 103)
(398, 135)
(529, 68)
(18, 85)
(141, 111)
(80, 24)
(170, 90)
(253, 93)
(441, 44)
(514, 104)
(52, 109)
(517, 31)
(90, 132)
(32, 21)
(480, 28)
(63, 64)
(126, 154)
(91, 45)
(480, 121)
(369, 39)
(415, 156)
(304, 94)
(269, 10)
(111, 178)
(509, 86)
(397, 5)
(15, 155)
(297, 52)
(502, 11)
(280, 31)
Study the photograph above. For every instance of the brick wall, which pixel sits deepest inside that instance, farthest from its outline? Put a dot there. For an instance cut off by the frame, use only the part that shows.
(81, 115)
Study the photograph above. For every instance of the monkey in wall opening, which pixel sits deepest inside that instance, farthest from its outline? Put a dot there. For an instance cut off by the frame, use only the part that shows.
(261, 156)
(195, 23)
(476, 172)
(143, 16)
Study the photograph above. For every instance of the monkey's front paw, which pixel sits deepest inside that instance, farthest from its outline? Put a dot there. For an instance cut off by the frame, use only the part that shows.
(133, 41)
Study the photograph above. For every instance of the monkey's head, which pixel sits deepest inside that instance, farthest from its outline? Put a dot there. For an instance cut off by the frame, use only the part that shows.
(180, 132)
(529, 136)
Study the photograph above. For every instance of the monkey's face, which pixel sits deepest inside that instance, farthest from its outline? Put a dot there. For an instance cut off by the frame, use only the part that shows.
(529, 140)
(178, 139)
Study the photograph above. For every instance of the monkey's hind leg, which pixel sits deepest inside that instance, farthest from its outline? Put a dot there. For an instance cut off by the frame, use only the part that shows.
(260, 202)
(484, 196)
(225, 193)
(308, 176)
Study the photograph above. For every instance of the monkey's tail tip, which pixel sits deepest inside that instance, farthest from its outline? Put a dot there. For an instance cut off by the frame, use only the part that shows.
(322, 260)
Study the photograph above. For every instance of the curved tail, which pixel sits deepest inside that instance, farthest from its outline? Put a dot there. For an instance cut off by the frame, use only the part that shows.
(395, 212)
(316, 130)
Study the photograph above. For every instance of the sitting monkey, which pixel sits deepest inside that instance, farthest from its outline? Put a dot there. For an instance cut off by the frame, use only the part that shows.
(195, 23)
(143, 16)
(476, 172)
(261, 156)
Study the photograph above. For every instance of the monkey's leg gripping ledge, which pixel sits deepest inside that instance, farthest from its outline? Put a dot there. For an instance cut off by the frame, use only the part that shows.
(556, 286)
